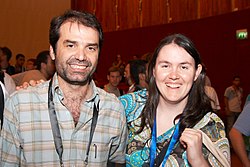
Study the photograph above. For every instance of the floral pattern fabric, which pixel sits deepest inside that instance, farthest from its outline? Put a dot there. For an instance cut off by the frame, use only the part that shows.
(138, 146)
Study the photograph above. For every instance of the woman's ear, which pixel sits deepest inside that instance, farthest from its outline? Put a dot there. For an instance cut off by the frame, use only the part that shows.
(198, 71)
(52, 53)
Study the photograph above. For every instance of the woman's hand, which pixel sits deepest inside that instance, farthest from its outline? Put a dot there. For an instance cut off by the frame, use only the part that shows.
(191, 139)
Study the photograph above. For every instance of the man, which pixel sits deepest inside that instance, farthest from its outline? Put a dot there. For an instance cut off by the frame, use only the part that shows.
(114, 77)
(210, 91)
(67, 120)
(127, 76)
(6, 79)
(19, 66)
(45, 70)
(8, 82)
(239, 131)
(30, 64)
(5, 56)
(135, 74)
(232, 99)
(7, 86)
(3, 96)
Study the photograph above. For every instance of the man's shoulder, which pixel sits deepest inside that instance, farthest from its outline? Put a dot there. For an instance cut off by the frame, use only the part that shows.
(106, 95)
(110, 103)
(31, 91)
(229, 89)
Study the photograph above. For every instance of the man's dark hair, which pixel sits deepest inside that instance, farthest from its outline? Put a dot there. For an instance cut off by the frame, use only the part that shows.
(137, 67)
(236, 77)
(82, 18)
(6, 51)
(114, 69)
(19, 55)
(32, 60)
(42, 57)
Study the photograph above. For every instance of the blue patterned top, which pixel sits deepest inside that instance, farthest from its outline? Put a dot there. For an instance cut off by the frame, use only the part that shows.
(137, 152)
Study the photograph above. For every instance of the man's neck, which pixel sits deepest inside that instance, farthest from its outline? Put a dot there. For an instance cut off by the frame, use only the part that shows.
(111, 87)
(74, 95)
(80, 92)
(4, 65)
(44, 73)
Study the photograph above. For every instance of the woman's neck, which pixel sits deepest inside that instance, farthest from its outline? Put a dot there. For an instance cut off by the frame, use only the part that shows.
(166, 114)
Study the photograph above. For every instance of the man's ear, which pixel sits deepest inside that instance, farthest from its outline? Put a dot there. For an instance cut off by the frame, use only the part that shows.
(52, 53)
(43, 65)
(142, 76)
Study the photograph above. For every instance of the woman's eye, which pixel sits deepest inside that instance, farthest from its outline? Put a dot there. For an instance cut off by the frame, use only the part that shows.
(164, 66)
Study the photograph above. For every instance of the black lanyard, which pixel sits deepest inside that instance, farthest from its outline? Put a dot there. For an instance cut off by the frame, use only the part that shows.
(1, 105)
(56, 130)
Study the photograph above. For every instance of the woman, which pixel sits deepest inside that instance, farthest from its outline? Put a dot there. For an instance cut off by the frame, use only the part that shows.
(165, 123)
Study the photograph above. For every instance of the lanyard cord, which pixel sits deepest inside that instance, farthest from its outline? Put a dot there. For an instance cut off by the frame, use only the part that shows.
(56, 130)
(1, 105)
(92, 130)
(54, 125)
(153, 145)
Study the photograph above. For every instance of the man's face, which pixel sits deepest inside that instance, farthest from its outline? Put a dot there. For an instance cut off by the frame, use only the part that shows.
(3, 57)
(127, 74)
(77, 52)
(20, 61)
(236, 82)
(114, 78)
(30, 65)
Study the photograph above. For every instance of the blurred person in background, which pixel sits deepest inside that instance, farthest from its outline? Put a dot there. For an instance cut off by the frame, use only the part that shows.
(5, 56)
(19, 66)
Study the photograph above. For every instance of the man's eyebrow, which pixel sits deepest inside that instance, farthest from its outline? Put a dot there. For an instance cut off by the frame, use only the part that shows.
(93, 44)
(69, 41)
(75, 42)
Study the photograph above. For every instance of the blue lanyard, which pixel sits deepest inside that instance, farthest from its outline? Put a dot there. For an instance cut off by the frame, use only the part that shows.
(153, 146)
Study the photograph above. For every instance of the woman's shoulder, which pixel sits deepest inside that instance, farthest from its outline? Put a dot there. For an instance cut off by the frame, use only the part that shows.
(207, 119)
(133, 104)
(213, 126)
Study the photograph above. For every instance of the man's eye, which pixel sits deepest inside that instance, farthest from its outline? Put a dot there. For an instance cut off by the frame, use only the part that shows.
(91, 48)
(184, 67)
(70, 45)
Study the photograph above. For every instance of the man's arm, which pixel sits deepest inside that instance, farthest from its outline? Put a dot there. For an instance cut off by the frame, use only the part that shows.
(10, 143)
(120, 142)
(226, 105)
(239, 146)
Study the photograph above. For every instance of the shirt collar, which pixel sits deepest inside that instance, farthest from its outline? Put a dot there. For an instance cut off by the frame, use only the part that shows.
(56, 89)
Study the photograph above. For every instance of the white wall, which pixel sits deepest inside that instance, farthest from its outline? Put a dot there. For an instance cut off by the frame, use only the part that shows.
(24, 24)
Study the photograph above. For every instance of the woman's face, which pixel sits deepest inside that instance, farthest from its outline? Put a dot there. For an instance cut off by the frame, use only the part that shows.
(175, 73)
